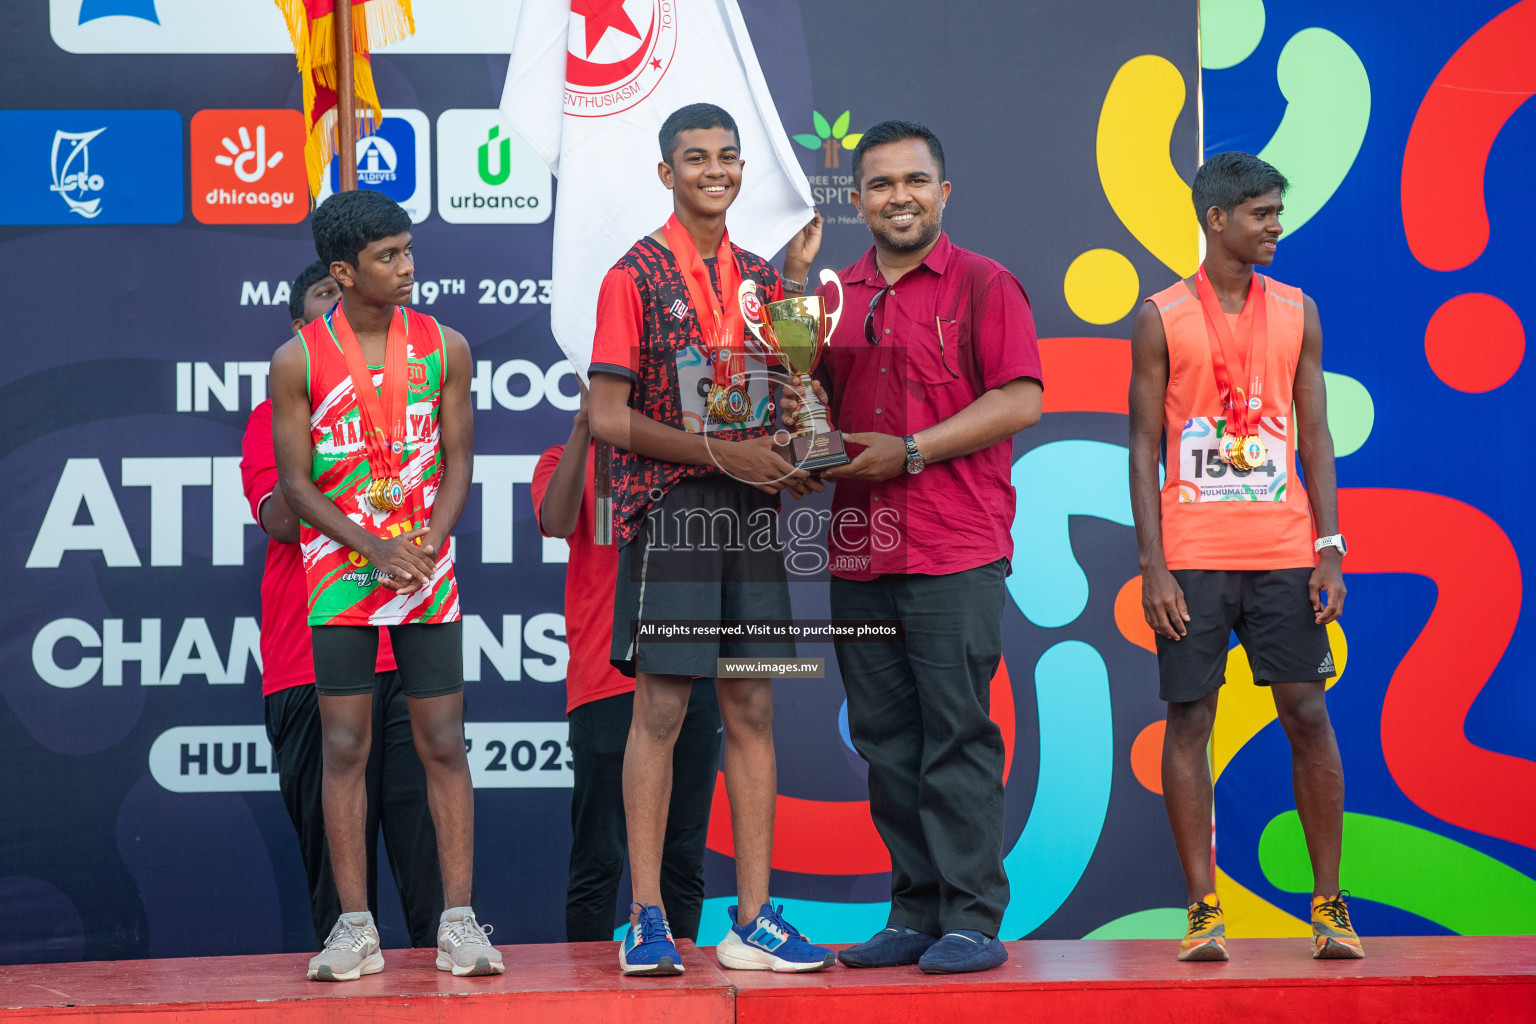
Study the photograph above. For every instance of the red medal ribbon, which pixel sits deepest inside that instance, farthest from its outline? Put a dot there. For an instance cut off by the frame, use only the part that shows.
(1241, 420)
(383, 431)
(725, 342)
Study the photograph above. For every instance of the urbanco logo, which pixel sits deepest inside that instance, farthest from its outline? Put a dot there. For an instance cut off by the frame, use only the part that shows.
(91, 167)
(487, 174)
(248, 167)
(620, 54)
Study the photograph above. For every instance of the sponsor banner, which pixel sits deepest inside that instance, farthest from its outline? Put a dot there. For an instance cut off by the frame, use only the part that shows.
(487, 174)
(395, 160)
(248, 167)
(90, 167)
(256, 26)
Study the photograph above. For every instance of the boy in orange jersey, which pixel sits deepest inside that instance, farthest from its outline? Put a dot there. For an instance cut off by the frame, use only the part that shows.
(1219, 362)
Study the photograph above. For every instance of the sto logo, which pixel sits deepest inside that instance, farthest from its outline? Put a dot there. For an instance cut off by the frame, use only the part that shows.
(1474, 342)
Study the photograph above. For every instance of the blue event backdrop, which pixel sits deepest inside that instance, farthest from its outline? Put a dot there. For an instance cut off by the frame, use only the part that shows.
(138, 341)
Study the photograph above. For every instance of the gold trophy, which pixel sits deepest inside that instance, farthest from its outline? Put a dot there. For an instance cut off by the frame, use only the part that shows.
(796, 331)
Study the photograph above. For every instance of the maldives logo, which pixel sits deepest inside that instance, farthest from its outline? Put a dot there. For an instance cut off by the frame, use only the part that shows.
(618, 51)
(829, 137)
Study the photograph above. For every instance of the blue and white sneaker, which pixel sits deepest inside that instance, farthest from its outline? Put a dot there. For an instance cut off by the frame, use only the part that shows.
(770, 943)
(648, 948)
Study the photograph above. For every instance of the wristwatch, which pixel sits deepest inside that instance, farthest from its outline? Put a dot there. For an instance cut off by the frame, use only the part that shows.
(915, 461)
(1335, 541)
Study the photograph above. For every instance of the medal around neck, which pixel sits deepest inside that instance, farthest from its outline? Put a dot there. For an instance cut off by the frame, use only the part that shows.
(381, 411)
(796, 331)
(1253, 451)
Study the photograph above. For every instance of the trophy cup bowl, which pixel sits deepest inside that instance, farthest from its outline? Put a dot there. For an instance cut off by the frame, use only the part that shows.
(796, 332)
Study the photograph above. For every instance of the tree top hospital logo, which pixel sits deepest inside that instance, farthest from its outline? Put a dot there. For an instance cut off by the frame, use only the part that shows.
(248, 167)
(618, 52)
(91, 167)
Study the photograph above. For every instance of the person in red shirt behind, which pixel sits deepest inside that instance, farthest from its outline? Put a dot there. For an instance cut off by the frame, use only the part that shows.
(600, 703)
(934, 380)
(397, 783)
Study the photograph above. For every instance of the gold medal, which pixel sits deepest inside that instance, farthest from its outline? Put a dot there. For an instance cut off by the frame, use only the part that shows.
(386, 494)
(1230, 443)
(729, 404)
(1253, 451)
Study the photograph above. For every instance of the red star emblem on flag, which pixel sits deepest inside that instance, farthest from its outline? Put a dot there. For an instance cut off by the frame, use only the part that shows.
(601, 15)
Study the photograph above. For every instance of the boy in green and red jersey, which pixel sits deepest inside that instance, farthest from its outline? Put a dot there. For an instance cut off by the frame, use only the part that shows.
(375, 437)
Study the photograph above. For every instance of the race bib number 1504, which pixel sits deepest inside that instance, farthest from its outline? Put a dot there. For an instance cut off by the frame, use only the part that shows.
(1204, 477)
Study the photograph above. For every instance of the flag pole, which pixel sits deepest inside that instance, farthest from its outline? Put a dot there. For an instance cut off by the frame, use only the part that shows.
(346, 99)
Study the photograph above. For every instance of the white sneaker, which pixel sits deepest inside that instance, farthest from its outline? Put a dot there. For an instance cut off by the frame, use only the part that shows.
(462, 947)
(351, 951)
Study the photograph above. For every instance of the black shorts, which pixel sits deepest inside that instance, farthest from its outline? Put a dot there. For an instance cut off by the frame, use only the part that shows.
(709, 552)
(430, 658)
(1271, 612)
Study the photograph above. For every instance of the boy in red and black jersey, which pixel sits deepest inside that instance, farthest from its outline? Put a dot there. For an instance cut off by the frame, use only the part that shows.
(690, 416)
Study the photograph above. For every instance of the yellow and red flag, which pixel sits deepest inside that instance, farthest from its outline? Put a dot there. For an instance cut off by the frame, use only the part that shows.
(312, 24)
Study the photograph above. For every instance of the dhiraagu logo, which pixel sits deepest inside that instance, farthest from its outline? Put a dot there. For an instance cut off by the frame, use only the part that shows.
(486, 173)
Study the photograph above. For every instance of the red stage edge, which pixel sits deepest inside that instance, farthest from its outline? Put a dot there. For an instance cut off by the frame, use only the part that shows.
(1414, 980)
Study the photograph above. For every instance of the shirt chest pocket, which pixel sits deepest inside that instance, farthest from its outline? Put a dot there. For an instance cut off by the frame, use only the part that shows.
(936, 351)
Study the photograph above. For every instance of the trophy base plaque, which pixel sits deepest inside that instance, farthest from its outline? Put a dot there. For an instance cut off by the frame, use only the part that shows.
(816, 452)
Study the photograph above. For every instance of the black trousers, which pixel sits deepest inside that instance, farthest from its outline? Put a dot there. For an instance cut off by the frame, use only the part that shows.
(397, 801)
(599, 732)
(918, 714)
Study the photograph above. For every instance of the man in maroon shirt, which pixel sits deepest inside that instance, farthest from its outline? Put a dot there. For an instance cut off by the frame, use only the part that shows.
(933, 380)
(396, 782)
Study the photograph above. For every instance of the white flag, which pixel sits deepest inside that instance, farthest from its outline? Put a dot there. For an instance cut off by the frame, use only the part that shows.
(588, 86)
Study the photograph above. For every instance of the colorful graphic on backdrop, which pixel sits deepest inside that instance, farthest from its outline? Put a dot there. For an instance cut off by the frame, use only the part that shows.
(1433, 724)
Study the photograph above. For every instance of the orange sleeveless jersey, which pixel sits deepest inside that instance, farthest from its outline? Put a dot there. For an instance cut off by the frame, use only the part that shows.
(1212, 516)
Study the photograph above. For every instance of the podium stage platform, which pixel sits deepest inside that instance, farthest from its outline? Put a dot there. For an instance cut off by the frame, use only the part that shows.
(1491, 980)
